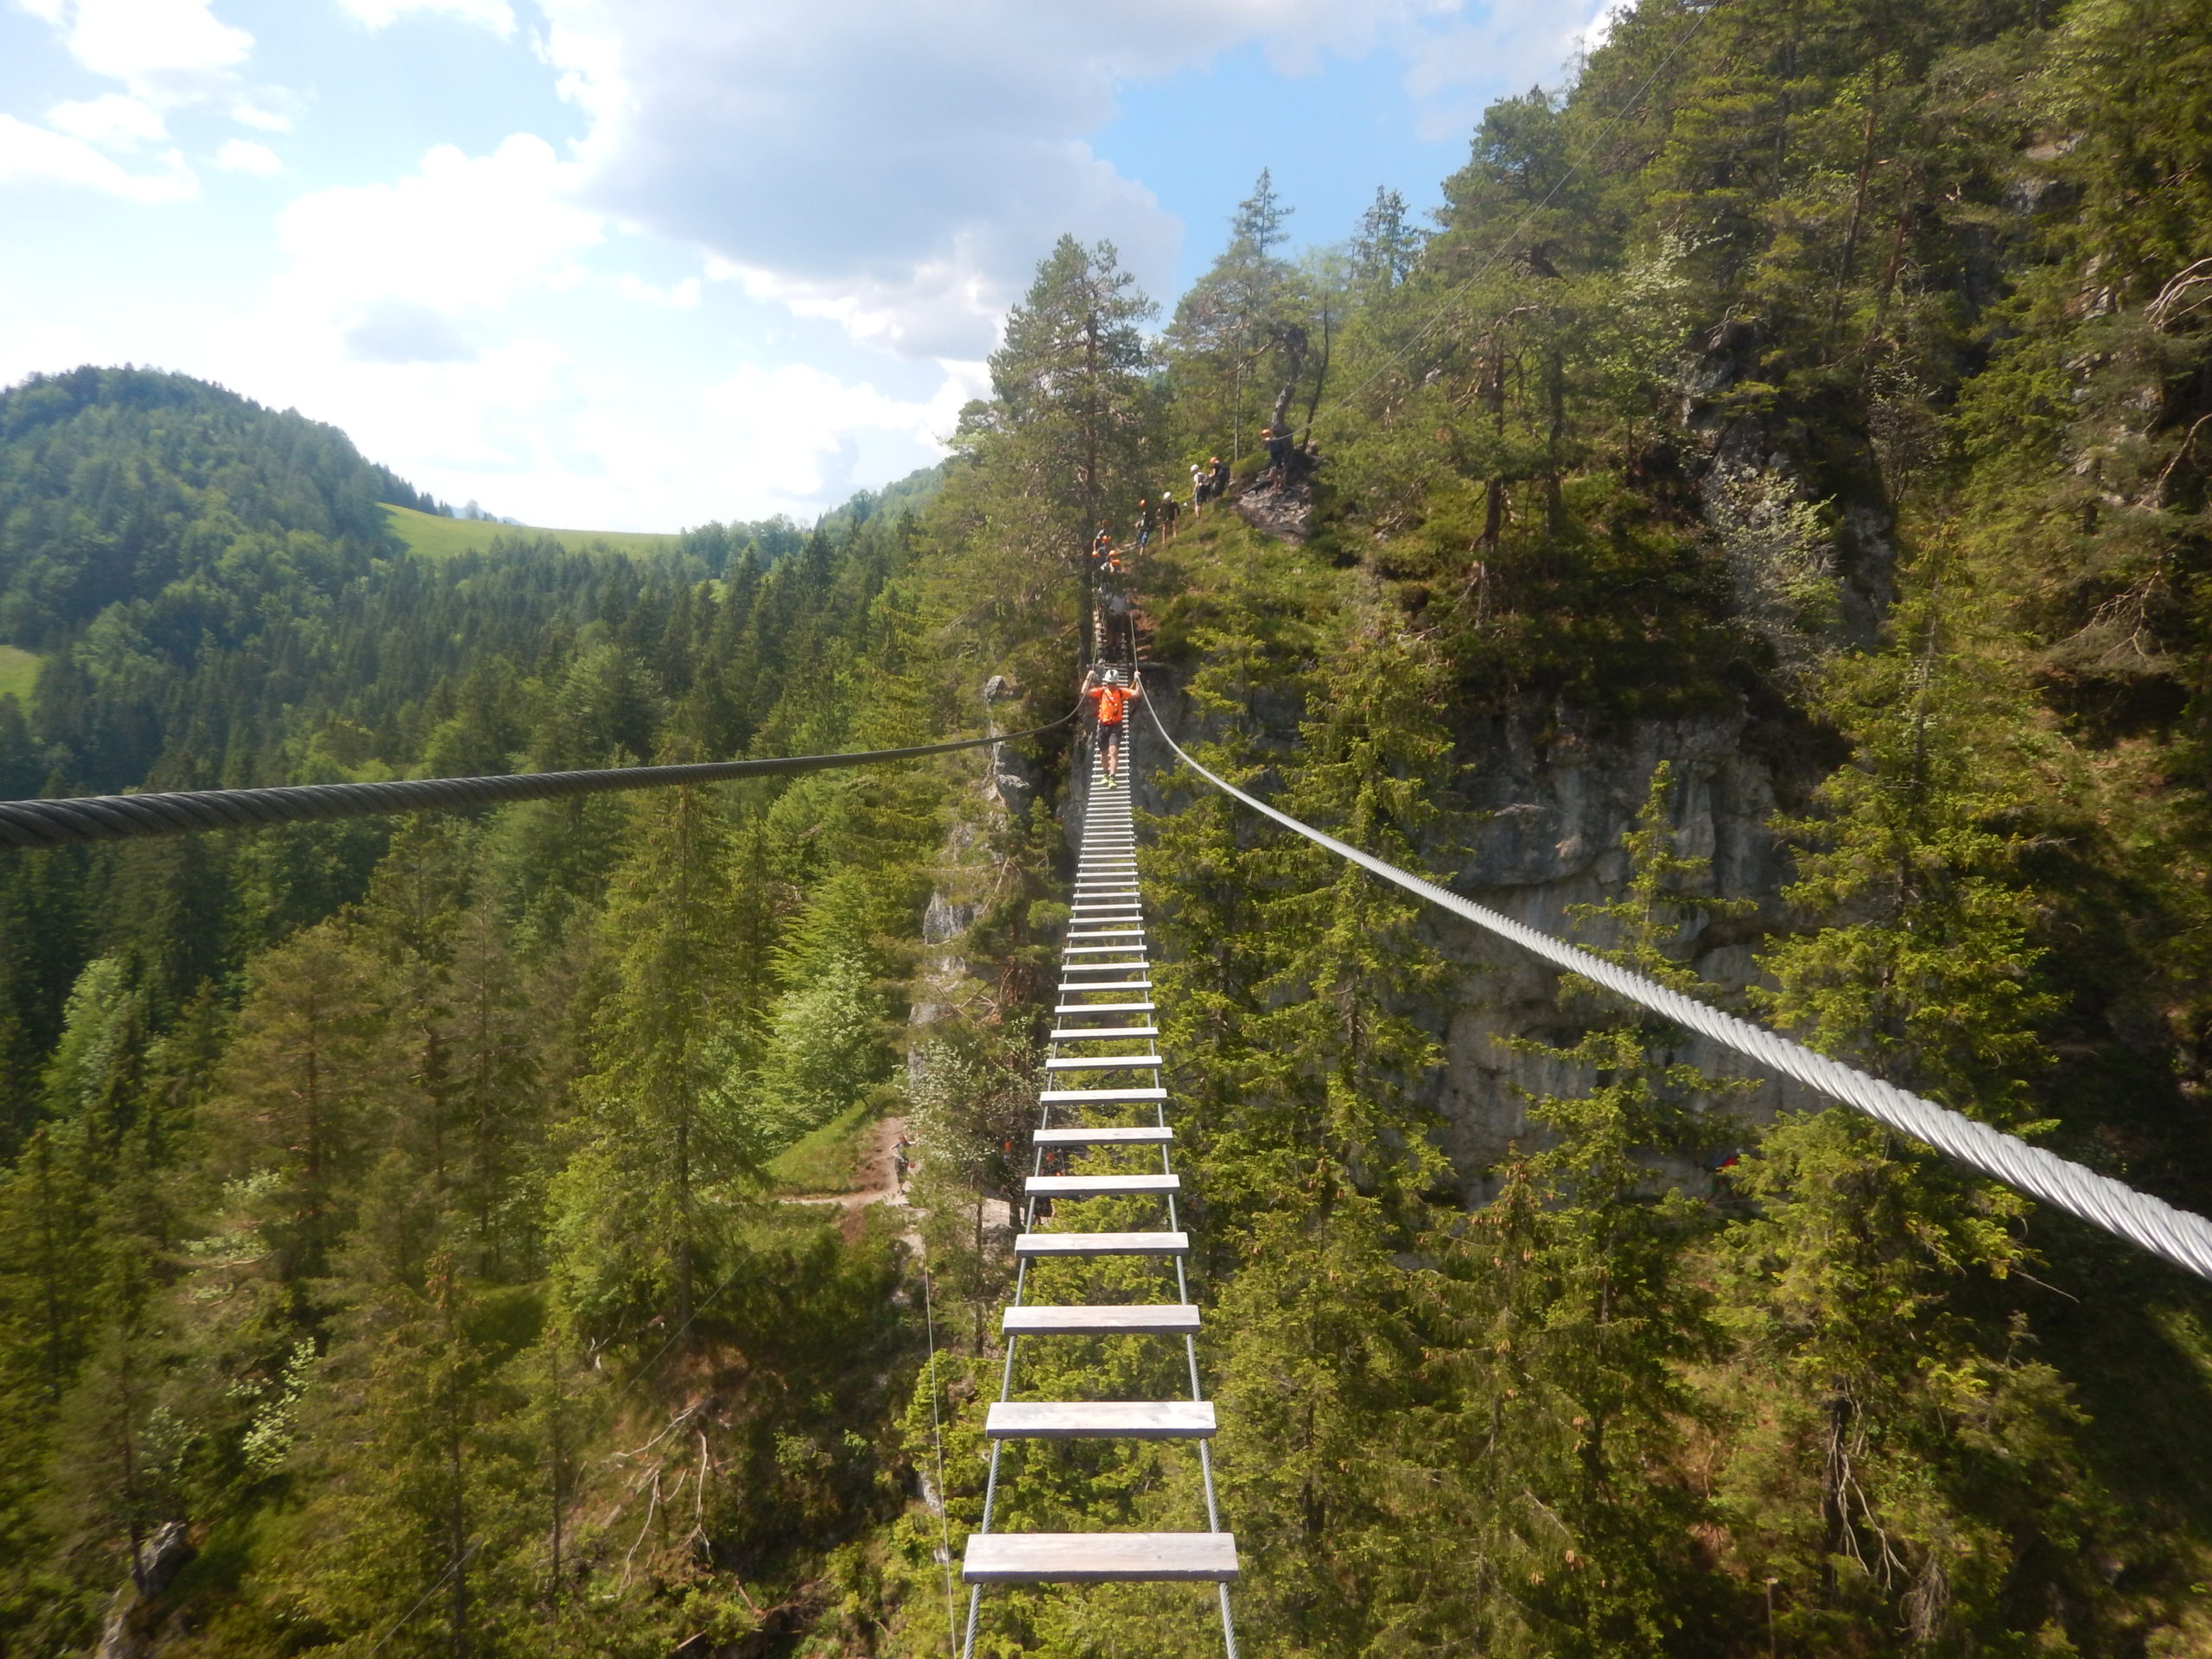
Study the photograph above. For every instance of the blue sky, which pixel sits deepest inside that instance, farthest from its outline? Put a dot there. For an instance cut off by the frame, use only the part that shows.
(638, 263)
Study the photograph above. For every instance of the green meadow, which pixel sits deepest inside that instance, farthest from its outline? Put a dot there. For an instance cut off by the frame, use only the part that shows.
(429, 534)
(18, 672)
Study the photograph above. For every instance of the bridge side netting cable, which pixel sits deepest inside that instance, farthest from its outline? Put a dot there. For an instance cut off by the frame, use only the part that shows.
(2179, 1235)
(74, 820)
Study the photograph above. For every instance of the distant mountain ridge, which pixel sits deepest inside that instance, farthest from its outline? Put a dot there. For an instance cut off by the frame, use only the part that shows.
(119, 484)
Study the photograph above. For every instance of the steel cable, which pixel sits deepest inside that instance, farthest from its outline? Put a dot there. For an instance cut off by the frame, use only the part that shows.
(2179, 1235)
(75, 820)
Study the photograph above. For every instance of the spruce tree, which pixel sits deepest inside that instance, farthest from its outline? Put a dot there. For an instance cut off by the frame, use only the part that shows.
(635, 1228)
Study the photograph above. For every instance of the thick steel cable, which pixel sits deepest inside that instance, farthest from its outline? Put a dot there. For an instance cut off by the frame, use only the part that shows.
(2179, 1235)
(76, 820)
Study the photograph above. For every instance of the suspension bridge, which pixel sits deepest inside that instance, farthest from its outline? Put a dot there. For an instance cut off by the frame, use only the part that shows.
(1092, 1152)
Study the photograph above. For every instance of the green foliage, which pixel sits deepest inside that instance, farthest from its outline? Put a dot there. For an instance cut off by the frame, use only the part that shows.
(383, 1200)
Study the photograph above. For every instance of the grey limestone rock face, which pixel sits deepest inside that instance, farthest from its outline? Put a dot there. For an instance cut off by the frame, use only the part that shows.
(1538, 829)
(1543, 833)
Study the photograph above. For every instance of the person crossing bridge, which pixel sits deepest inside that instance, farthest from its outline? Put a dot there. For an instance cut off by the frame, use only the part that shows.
(1110, 694)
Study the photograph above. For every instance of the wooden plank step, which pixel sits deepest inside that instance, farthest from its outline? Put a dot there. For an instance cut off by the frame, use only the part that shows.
(1097, 1097)
(1100, 1558)
(1113, 985)
(1135, 949)
(1173, 1319)
(1092, 1034)
(1100, 1419)
(1118, 1134)
(1100, 1187)
(1103, 1007)
(1065, 1244)
(1105, 1063)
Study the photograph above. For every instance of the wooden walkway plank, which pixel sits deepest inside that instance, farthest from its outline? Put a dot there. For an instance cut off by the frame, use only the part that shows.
(1039, 1245)
(1100, 1419)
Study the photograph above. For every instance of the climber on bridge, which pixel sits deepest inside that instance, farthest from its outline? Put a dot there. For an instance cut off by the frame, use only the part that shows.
(1111, 695)
(1119, 638)
(1105, 559)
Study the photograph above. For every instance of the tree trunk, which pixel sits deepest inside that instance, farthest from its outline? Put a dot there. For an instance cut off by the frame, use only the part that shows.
(1494, 490)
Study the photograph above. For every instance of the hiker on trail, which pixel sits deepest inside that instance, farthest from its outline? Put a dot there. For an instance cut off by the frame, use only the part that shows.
(1144, 525)
(1201, 486)
(1220, 479)
(1111, 695)
(1170, 510)
(1278, 455)
(1105, 561)
(898, 1161)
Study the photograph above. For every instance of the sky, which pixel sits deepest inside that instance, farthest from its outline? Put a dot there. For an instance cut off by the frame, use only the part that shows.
(636, 264)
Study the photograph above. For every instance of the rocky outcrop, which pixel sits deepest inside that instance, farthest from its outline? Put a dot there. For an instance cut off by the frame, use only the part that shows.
(1284, 512)
(128, 1631)
(1537, 830)
(1543, 833)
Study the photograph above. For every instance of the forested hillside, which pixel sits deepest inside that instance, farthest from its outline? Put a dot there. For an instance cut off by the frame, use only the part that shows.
(1811, 403)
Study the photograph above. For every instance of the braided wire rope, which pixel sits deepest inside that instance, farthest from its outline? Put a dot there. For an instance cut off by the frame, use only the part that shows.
(2179, 1235)
(76, 820)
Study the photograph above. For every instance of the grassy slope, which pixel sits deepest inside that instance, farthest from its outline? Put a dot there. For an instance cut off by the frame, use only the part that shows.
(832, 1158)
(435, 537)
(18, 672)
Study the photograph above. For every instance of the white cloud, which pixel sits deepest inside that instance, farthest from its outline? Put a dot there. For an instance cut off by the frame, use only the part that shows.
(244, 155)
(262, 120)
(165, 51)
(788, 420)
(115, 120)
(494, 15)
(33, 155)
(464, 232)
(677, 296)
(1457, 68)
(901, 168)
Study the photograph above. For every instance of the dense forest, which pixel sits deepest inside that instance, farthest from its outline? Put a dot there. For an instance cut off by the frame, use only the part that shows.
(398, 1249)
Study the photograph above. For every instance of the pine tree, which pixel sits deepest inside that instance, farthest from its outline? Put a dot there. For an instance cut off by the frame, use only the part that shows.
(305, 1093)
(1900, 1495)
(662, 1131)
(424, 1479)
(1589, 1304)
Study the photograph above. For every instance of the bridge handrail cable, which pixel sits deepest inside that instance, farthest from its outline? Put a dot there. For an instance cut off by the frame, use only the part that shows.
(2179, 1235)
(75, 820)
